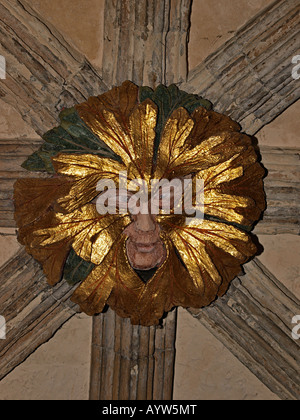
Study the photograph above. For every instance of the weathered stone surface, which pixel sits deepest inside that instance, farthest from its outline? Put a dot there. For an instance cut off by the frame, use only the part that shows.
(155, 51)
(282, 187)
(254, 320)
(132, 362)
(44, 73)
(32, 309)
(250, 76)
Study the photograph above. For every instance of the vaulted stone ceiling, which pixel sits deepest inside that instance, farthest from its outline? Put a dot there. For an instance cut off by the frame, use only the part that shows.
(196, 375)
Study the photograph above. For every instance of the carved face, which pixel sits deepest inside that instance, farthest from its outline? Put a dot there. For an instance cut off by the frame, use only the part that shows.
(145, 249)
(144, 246)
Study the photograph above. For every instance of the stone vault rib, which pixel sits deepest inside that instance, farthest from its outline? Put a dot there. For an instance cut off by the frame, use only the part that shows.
(249, 78)
(32, 309)
(43, 72)
(254, 321)
(146, 41)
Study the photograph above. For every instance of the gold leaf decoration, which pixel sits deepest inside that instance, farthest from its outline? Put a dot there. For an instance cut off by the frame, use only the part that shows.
(58, 214)
(200, 243)
(92, 235)
(84, 172)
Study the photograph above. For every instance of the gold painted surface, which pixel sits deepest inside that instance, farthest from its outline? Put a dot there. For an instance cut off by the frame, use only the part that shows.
(84, 171)
(132, 141)
(202, 257)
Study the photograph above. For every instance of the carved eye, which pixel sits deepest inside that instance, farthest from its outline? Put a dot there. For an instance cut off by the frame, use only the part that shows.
(112, 200)
(163, 199)
(122, 198)
(166, 199)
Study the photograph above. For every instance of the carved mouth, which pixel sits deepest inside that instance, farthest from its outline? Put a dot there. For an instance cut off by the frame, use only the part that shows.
(145, 247)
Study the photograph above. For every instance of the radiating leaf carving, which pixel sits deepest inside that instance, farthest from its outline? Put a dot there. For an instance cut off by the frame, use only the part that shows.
(165, 133)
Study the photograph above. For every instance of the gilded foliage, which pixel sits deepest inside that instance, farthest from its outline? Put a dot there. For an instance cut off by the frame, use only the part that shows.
(149, 134)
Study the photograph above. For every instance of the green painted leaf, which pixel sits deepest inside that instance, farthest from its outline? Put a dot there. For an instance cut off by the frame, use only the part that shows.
(168, 99)
(71, 136)
(76, 269)
(39, 161)
(74, 136)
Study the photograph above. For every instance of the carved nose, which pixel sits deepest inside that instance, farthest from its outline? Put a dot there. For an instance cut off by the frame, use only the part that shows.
(144, 222)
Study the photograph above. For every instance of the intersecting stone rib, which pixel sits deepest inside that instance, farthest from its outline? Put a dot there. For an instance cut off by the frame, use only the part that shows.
(32, 309)
(134, 362)
(43, 72)
(134, 37)
(254, 321)
(12, 154)
(217, 79)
